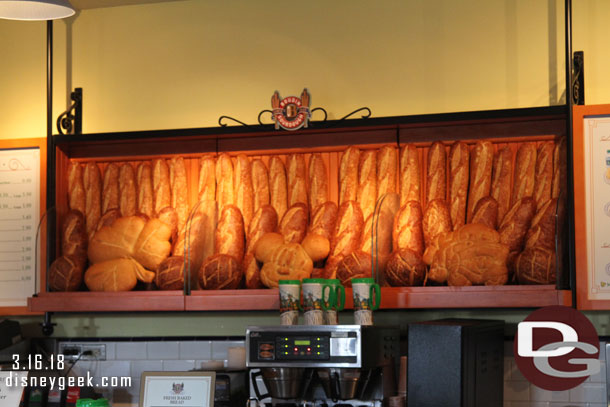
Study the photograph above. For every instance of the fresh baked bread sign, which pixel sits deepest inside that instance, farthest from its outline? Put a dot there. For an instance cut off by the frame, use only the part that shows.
(290, 113)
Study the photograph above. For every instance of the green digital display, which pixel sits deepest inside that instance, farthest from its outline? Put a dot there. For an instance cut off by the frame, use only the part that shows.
(302, 342)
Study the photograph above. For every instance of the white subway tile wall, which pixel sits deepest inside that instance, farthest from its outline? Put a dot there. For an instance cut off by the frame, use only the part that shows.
(132, 358)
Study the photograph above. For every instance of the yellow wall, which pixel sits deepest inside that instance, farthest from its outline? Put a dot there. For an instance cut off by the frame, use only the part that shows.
(183, 64)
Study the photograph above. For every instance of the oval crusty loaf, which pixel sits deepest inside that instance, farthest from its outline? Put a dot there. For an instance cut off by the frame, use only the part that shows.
(293, 225)
(486, 212)
(170, 274)
(264, 221)
(74, 237)
(436, 221)
(355, 265)
(407, 232)
(229, 237)
(66, 274)
(405, 268)
(220, 272)
(324, 219)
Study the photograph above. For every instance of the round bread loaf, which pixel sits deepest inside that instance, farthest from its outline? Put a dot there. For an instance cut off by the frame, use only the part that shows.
(405, 268)
(66, 273)
(288, 262)
(266, 245)
(316, 246)
(220, 272)
(535, 265)
(355, 265)
(170, 274)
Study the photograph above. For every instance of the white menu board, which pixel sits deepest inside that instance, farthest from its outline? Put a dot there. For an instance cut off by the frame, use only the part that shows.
(19, 216)
(597, 193)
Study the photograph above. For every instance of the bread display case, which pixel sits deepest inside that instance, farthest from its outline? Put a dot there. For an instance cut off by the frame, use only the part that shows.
(445, 211)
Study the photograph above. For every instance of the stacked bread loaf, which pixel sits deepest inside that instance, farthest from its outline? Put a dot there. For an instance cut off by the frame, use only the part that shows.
(400, 214)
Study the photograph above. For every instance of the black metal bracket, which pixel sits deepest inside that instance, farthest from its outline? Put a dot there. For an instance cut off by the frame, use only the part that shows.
(71, 122)
(578, 78)
(222, 119)
(47, 326)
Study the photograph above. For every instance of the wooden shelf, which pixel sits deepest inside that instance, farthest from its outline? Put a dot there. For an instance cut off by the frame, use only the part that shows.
(268, 299)
(109, 302)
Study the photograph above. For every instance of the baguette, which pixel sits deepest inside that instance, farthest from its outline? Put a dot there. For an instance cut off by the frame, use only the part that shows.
(486, 212)
(161, 189)
(110, 188)
(293, 225)
(145, 189)
(277, 186)
(459, 158)
(481, 162)
(436, 221)
(92, 181)
(264, 221)
(500, 181)
(318, 182)
(410, 175)
(348, 175)
(544, 173)
(525, 172)
(127, 190)
(560, 168)
(179, 189)
(436, 180)
(260, 184)
(76, 188)
(367, 182)
(387, 170)
(515, 225)
(324, 219)
(207, 179)
(346, 237)
(296, 176)
(229, 237)
(244, 195)
(74, 238)
(224, 181)
(407, 232)
(542, 231)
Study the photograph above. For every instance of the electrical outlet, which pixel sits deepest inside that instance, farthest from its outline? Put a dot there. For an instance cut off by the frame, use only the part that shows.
(72, 351)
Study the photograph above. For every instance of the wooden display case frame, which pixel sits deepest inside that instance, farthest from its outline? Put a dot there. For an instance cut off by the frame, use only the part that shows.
(503, 126)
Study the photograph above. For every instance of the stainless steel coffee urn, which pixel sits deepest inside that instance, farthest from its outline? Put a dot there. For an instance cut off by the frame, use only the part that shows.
(322, 364)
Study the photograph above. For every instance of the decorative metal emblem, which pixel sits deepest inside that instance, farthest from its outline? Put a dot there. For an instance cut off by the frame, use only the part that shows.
(291, 113)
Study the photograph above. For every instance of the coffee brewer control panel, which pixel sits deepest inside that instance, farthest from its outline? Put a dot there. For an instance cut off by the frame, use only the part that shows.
(318, 345)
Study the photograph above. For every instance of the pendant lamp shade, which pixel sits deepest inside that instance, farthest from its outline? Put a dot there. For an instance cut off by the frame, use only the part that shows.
(35, 9)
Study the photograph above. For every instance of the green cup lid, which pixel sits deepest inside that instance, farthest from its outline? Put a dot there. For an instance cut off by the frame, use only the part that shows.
(290, 281)
(100, 403)
(92, 403)
(367, 280)
(314, 280)
(333, 281)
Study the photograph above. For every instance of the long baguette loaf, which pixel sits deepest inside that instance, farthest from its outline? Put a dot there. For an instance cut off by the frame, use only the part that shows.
(387, 170)
(324, 219)
(76, 188)
(408, 229)
(560, 167)
(278, 192)
(161, 189)
(207, 179)
(145, 189)
(436, 180)
(224, 181)
(229, 237)
(410, 174)
(318, 182)
(481, 162)
(347, 235)
(244, 195)
(74, 238)
(260, 184)
(367, 182)
(110, 188)
(459, 158)
(179, 188)
(500, 180)
(525, 172)
(348, 175)
(544, 173)
(92, 181)
(127, 190)
(264, 221)
(296, 179)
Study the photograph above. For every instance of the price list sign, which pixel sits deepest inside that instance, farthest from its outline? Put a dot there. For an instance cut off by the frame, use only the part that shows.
(19, 215)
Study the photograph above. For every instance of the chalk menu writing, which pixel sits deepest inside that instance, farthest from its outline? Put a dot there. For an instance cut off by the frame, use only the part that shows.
(19, 216)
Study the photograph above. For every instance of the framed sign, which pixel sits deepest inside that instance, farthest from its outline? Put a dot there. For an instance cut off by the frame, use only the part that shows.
(591, 149)
(22, 203)
(177, 389)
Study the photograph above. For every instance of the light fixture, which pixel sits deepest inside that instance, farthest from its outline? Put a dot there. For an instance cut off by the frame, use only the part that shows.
(35, 9)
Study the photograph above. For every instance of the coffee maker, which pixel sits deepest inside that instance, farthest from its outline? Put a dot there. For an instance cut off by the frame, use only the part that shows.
(322, 365)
